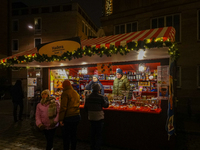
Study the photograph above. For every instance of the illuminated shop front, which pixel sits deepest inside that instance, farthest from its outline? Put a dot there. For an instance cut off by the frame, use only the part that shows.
(146, 58)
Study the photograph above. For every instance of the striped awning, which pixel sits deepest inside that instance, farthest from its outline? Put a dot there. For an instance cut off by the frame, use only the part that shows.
(30, 52)
(164, 33)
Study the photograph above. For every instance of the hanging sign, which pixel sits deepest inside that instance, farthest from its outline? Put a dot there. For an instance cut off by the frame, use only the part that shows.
(31, 91)
(163, 82)
(59, 47)
(104, 68)
(32, 81)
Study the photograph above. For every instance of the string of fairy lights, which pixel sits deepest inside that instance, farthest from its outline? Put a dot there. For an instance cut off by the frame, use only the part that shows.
(90, 51)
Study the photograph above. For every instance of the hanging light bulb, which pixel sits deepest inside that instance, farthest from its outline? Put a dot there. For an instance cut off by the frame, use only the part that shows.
(141, 67)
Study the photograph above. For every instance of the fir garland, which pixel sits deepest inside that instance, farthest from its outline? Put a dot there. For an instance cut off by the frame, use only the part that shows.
(90, 51)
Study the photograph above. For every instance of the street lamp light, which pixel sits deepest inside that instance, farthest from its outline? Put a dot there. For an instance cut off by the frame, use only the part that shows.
(30, 27)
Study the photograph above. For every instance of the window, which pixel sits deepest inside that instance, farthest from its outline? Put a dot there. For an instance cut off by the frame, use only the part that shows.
(108, 7)
(25, 11)
(198, 25)
(134, 27)
(56, 9)
(126, 28)
(122, 29)
(89, 32)
(83, 26)
(80, 11)
(15, 12)
(38, 25)
(86, 30)
(67, 8)
(34, 11)
(178, 75)
(37, 41)
(15, 25)
(45, 9)
(116, 29)
(15, 45)
(167, 21)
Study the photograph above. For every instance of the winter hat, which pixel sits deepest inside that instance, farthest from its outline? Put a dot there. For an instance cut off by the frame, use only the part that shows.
(96, 76)
(66, 83)
(96, 87)
(119, 71)
(46, 92)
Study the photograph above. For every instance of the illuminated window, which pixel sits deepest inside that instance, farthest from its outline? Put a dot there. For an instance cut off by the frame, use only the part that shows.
(38, 25)
(108, 7)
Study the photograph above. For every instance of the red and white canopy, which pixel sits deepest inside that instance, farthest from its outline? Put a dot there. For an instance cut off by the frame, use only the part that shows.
(122, 39)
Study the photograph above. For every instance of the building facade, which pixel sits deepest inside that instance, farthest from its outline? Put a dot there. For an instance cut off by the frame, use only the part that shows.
(4, 28)
(4, 47)
(31, 26)
(123, 16)
(35, 25)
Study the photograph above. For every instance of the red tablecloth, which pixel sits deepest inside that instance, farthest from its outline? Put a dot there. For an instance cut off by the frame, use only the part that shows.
(131, 109)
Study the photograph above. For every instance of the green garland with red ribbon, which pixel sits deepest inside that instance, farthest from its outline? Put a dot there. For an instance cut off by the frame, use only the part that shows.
(90, 51)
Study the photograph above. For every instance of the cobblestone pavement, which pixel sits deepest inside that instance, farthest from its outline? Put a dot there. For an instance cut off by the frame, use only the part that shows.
(24, 135)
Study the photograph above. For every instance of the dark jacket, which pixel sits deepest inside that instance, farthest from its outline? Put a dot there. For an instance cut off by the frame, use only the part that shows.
(93, 105)
(89, 86)
(17, 93)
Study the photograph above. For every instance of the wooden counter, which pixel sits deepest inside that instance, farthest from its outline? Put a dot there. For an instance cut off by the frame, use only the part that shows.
(131, 130)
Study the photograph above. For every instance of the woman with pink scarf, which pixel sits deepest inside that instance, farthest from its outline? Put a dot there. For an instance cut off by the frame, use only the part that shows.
(47, 117)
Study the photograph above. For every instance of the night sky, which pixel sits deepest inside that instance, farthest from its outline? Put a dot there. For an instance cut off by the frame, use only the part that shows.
(93, 8)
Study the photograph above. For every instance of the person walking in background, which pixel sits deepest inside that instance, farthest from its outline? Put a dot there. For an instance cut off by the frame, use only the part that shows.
(93, 106)
(17, 99)
(47, 117)
(69, 115)
(95, 79)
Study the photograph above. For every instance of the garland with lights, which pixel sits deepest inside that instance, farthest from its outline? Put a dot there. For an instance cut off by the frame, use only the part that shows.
(90, 51)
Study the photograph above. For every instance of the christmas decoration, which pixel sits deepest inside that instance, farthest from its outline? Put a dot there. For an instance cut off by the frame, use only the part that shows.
(101, 51)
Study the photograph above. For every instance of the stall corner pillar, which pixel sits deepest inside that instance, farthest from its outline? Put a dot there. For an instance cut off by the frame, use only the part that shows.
(45, 78)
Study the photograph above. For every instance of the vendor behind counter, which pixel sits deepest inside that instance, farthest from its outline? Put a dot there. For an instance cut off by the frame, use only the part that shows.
(121, 83)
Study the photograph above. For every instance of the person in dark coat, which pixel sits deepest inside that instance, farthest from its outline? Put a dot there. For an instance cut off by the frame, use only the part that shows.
(93, 106)
(17, 99)
(95, 80)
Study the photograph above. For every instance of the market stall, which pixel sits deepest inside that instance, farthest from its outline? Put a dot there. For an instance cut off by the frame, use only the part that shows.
(145, 58)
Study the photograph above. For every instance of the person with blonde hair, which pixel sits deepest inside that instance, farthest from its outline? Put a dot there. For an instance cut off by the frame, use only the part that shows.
(47, 117)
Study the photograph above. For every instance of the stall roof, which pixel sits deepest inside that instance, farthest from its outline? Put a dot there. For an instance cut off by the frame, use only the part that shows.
(164, 33)
(122, 39)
